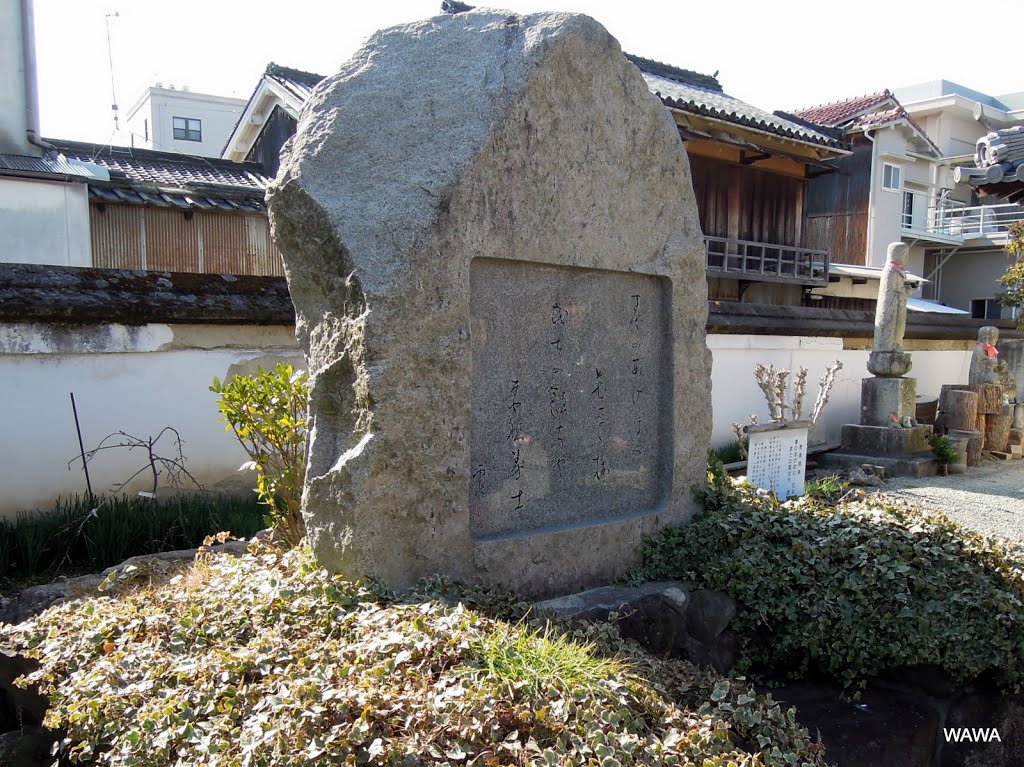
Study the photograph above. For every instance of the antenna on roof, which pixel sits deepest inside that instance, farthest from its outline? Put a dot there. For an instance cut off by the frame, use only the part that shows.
(110, 58)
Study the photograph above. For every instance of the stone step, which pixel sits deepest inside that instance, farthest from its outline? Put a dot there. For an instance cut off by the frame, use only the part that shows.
(895, 465)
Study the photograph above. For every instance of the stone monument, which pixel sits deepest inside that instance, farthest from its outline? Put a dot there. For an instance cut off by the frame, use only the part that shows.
(492, 244)
(887, 435)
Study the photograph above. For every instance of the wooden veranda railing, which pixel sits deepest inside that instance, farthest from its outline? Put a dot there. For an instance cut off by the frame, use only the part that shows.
(766, 262)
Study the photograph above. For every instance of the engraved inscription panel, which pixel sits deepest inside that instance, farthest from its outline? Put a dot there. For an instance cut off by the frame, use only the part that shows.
(777, 460)
(571, 419)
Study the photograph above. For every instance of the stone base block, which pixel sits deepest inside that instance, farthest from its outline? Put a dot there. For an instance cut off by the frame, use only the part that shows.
(886, 439)
(908, 465)
(880, 398)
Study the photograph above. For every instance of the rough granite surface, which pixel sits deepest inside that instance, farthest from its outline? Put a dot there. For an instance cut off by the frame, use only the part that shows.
(476, 139)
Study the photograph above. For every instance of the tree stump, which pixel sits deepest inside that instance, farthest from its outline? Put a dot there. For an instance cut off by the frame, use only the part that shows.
(990, 398)
(979, 423)
(997, 432)
(974, 442)
(946, 388)
(960, 410)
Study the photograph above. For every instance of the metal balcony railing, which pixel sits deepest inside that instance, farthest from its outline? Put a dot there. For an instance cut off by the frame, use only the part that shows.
(991, 221)
(931, 214)
(766, 262)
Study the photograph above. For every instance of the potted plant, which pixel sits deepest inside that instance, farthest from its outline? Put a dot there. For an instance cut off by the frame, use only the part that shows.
(945, 452)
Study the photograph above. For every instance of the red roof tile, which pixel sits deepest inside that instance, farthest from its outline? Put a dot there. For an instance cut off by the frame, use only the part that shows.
(840, 112)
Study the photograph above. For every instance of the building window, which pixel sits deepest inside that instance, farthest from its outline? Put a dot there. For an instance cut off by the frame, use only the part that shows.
(986, 309)
(188, 129)
(891, 177)
(908, 210)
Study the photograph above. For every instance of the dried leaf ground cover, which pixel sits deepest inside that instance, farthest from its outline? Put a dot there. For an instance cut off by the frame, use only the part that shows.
(266, 660)
(849, 588)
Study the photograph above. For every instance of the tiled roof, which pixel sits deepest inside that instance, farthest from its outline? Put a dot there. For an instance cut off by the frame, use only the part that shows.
(677, 74)
(840, 112)
(703, 95)
(146, 176)
(860, 112)
(17, 164)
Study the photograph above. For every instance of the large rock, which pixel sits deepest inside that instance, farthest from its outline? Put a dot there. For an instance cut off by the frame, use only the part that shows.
(665, 617)
(491, 241)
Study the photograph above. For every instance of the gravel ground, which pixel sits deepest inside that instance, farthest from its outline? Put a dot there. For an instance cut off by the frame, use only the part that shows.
(988, 499)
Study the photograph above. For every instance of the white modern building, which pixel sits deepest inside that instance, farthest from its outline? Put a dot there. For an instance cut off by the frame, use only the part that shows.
(963, 235)
(173, 120)
(898, 185)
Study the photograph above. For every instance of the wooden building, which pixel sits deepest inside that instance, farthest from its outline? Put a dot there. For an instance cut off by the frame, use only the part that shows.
(750, 173)
(164, 211)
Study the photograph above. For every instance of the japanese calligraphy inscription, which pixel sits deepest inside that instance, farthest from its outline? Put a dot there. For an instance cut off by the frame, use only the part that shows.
(777, 461)
(571, 396)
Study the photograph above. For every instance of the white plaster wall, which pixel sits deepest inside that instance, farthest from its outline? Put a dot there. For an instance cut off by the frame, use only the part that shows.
(964, 132)
(140, 379)
(886, 206)
(970, 275)
(12, 75)
(44, 222)
(735, 395)
(133, 379)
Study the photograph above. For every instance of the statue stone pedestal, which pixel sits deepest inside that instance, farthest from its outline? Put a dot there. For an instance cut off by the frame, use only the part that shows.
(882, 398)
(887, 400)
(902, 452)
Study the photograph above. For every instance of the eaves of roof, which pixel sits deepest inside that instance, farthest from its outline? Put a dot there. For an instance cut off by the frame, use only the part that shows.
(893, 116)
(702, 95)
(295, 86)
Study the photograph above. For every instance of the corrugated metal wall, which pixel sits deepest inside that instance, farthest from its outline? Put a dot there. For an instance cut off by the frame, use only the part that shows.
(118, 236)
(174, 240)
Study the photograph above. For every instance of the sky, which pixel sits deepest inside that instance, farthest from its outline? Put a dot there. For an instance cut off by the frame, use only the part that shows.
(781, 55)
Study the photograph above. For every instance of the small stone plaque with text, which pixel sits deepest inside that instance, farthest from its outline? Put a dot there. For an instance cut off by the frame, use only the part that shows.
(777, 458)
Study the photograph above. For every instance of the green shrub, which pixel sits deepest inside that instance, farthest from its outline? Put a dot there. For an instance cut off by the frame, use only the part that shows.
(850, 590)
(945, 451)
(78, 536)
(265, 660)
(267, 413)
(730, 452)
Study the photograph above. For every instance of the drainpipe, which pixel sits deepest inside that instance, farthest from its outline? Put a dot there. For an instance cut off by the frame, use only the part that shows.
(871, 195)
(28, 50)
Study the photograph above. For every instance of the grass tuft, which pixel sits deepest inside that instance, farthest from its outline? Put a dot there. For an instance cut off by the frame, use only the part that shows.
(76, 536)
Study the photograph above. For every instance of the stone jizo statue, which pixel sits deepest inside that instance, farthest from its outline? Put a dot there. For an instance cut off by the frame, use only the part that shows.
(987, 368)
(887, 356)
